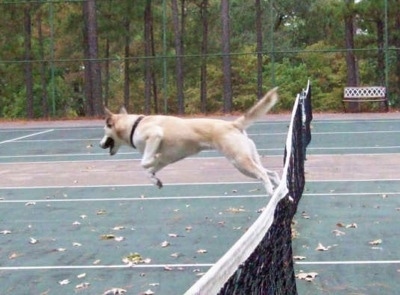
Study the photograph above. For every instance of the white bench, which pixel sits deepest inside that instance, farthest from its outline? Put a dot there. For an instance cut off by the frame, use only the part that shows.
(365, 94)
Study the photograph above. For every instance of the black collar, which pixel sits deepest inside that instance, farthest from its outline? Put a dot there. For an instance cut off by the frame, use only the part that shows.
(134, 128)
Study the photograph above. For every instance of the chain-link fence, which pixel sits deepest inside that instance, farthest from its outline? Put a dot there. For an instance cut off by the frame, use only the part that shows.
(68, 58)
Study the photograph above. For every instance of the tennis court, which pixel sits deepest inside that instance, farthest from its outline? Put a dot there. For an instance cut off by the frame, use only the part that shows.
(74, 220)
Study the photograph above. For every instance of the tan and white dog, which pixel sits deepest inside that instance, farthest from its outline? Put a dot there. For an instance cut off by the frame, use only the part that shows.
(163, 140)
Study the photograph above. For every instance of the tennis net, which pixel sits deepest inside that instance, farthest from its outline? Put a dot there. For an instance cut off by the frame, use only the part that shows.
(261, 261)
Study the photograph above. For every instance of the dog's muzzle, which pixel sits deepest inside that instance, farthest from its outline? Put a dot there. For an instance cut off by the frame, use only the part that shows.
(108, 144)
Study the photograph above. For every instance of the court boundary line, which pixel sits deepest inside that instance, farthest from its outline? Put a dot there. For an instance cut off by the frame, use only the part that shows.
(134, 199)
(26, 136)
(139, 266)
(185, 184)
(344, 262)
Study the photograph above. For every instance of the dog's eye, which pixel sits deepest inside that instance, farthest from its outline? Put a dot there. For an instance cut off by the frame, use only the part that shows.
(108, 123)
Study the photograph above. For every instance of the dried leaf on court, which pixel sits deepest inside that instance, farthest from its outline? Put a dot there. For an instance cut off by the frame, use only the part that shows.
(76, 244)
(305, 215)
(235, 210)
(96, 262)
(30, 203)
(83, 285)
(201, 251)
(307, 276)
(175, 255)
(64, 282)
(376, 242)
(14, 255)
(107, 237)
(119, 227)
(81, 276)
(5, 232)
(119, 239)
(154, 284)
(188, 228)
(135, 258)
(352, 225)
(76, 223)
(299, 257)
(148, 292)
(321, 247)
(164, 244)
(33, 241)
(173, 235)
(168, 268)
(61, 249)
(115, 291)
(338, 233)
(101, 212)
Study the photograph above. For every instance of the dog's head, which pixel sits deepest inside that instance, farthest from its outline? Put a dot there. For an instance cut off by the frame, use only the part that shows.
(112, 134)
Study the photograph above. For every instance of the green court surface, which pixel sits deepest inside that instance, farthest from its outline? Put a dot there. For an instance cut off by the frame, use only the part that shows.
(72, 239)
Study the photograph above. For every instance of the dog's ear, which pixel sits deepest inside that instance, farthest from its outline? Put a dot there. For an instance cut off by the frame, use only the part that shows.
(107, 112)
(123, 111)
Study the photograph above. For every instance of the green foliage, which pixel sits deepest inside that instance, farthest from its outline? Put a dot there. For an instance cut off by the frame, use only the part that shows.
(307, 37)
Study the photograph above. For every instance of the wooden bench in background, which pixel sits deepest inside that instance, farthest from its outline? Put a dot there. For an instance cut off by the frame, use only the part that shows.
(365, 94)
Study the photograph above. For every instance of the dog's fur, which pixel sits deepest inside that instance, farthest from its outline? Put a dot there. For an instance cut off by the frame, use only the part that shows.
(163, 140)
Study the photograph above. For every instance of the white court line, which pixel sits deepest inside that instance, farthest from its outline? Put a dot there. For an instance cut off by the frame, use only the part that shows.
(185, 184)
(26, 136)
(353, 262)
(134, 199)
(140, 266)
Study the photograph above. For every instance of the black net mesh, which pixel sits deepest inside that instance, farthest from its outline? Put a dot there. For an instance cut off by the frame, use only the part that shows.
(269, 269)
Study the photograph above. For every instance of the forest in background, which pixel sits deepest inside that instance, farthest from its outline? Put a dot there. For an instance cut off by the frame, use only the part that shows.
(69, 58)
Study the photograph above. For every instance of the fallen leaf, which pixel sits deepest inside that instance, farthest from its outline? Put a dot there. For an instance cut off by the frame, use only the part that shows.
(82, 285)
(96, 262)
(135, 258)
(338, 233)
(175, 255)
(115, 291)
(64, 282)
(164, 244)
(305, 215)
(75, 244)
(309, 277)
(352, 225)
(154, 284)
(101, 212)
(299, 257)
(76, 223)
(107, 237)
(376, 242)
(173, 235)
(33, 241)
(235, 210)
(321, 247)
(5, 232)
(201, 251)
(14, 255)
(168, 268)
(119, 239)
(30, 203)
(61, 249)
(120, 227)
(81, 276)
(148, 292)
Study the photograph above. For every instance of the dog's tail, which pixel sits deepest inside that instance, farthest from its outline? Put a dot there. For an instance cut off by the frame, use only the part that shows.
(258, 110)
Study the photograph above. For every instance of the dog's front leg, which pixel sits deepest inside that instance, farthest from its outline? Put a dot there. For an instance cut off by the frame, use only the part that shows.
(150, 151)
(154, 179)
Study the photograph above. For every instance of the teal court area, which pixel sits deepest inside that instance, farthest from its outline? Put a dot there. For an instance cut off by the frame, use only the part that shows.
(76, 221)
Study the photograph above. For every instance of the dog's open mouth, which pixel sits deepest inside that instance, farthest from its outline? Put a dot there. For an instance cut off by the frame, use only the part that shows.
(109, 144)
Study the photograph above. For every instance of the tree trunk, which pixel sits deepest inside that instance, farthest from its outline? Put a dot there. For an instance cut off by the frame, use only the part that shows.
(204, 52)
(396, 33)
(179, 57)
(45, 105)
(28, 59)
(380, 31)
(351, 61)
(93, 89)
(259, 48)
(147, 54)
(127, 82)
(226, 59)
